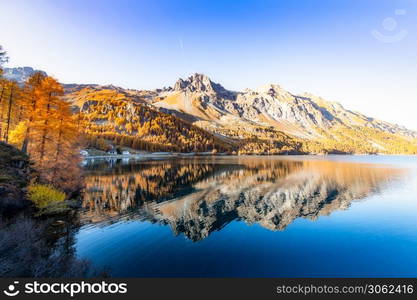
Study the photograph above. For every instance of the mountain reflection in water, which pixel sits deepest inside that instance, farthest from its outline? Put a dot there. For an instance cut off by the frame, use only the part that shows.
(197, 196)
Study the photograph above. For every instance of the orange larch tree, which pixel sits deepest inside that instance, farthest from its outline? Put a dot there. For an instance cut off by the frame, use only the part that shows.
(31, 105)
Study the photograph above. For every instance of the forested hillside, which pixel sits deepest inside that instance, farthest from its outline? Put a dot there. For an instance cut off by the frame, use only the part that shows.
(109, 115)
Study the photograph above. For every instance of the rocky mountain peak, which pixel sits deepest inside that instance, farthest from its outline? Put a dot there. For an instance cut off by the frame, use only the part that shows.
(199, 83)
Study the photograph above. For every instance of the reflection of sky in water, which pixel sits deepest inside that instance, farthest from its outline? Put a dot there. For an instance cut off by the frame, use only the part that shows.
(375, 236)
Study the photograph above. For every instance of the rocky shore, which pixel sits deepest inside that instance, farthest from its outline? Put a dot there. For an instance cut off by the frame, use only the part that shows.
(16, 173)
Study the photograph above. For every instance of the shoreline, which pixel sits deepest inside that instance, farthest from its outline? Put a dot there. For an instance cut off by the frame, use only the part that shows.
(147, 155)
(167, 155)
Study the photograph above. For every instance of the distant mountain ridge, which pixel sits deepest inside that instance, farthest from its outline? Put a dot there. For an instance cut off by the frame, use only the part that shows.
(20, 74)
(271, 105)
(262, 112)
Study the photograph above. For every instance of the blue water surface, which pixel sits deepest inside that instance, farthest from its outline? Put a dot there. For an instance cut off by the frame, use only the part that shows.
(374, 235)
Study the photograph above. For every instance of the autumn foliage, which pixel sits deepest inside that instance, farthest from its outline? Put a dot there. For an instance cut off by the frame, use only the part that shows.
(35, 118)
(108, 117)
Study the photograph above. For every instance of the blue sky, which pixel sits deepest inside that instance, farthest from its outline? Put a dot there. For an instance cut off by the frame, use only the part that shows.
(323, 47)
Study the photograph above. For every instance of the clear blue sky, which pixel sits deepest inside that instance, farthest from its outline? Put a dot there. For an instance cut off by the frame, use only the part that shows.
(324, 47)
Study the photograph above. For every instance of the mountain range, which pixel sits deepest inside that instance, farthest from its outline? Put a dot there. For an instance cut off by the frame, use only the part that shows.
(268, 119)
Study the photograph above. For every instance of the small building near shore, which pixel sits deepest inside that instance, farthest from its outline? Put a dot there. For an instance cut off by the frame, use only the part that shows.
(112, 152)
(84, 152)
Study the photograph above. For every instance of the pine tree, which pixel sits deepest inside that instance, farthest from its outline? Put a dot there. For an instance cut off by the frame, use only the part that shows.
(64, 162)
(32, 95)
(10, 101)
(47, 95)
(12, 114)
(17, 135)
(51, 136)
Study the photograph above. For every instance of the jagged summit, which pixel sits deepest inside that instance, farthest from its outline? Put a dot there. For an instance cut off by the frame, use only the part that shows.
(201, 83)
(195, 83)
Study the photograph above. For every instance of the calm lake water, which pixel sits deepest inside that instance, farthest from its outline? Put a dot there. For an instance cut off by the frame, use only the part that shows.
(300, 216)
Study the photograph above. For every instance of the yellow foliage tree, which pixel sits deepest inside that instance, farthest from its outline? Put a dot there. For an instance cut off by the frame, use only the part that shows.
(17, 135)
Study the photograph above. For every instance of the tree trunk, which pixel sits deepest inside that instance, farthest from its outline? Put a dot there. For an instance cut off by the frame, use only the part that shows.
(1, 112)
(26, 140)
(58, 145)
(19, 117)
(45, 129)
(3, 87)
(27, 133)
